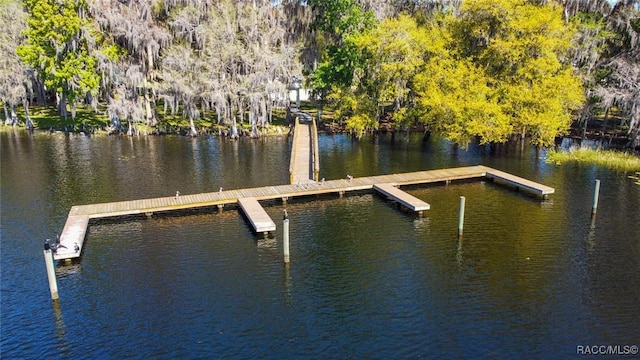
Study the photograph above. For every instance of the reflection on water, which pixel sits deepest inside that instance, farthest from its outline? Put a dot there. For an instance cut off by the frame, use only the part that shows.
(459, 253)
(60, 332)
(365, 280)
(68, 268)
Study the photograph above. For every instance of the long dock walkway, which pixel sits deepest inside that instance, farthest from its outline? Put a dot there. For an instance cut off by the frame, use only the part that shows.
(304, 166)
(73, 234)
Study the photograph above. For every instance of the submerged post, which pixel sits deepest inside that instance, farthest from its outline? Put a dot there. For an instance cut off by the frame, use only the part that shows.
(596, 194)
(285, 237)
(51, 271)
(461, 215)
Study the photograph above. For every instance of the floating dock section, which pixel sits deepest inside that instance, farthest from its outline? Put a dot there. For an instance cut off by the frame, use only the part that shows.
(258, 218)
(519, 183)
(73, 234)
(72, 237)
(407, 200)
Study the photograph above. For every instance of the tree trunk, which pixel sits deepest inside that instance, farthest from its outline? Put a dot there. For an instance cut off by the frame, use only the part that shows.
(192, 131)
(73, 111)
(148, 80)
(41, 93)
(219, 113)
(263, 112)
(149, 62)
(254, 125)
(28, 121)
(14, 116)
(62, 105)
(6, 112)
(93, 100)
(234, 129)
(147, 105)
(604, 122)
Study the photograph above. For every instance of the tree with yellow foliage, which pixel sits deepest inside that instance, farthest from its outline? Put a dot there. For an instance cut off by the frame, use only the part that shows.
(498, 68)
(515, 55)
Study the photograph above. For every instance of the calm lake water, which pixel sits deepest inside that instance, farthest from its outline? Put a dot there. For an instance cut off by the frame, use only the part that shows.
(529, 278)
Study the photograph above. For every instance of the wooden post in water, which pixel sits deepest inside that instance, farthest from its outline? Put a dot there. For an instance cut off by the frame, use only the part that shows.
(461, 215)
(51, 271)
(596, 194)
(285, 237)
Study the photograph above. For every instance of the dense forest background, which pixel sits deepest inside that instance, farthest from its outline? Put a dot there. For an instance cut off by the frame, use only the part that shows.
(474, 69)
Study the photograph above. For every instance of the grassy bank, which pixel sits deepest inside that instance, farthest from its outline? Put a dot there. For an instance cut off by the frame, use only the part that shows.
(48, 118)
(616, 160)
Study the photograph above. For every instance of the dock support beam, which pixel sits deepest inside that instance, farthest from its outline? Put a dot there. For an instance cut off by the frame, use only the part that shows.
(596, 194)
(51, 272)
(285, 237)
(461, 216)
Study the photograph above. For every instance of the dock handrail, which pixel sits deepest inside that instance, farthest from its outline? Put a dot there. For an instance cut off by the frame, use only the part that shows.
(316, 153)
(293, 149)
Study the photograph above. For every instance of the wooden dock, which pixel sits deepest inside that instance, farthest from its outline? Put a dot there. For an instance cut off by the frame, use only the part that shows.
(409, 201)
(304, 165)
(79, 216)
(519, 183)
(73, 234)
(258, 218)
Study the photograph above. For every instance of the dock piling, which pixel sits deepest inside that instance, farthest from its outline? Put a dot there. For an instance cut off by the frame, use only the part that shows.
(285, 237)
(596, 194)
(51, 271)
(461, 215)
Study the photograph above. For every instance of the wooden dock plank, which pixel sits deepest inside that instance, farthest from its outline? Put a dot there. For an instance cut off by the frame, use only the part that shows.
(301, 165)
(258, 218)
(73, 234)
(409, 201)
(520, 183)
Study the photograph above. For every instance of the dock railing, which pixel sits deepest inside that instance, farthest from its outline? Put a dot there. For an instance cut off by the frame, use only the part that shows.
(292, 161)
(316, 153)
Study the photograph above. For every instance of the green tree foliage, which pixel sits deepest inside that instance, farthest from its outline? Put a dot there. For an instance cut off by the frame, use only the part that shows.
(358, 110)
(496, 69)
(525, 50)
(478, 68)
(337, 18)
(456, 100)
(337, 21)
(393, 55)
(57, 46)
(233, 57)
(499, 68)
(620, 68)
(14, 76)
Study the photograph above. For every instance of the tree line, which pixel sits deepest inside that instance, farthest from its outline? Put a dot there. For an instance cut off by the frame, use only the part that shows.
(473, 69)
